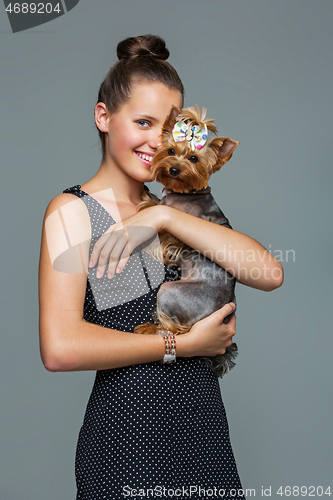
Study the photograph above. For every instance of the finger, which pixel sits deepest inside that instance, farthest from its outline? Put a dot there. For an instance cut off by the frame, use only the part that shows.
(99, 245)
(110, 255)
(226, 310)
(116, 258)
(127, 250)
(231, 328)
(232, 322)
(121, 264)
(120, 255)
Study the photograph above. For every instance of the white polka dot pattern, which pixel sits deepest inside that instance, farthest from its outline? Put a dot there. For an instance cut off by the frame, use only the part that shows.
(151, 425)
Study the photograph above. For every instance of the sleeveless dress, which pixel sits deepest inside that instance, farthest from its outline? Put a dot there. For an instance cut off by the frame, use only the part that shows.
(149, 430)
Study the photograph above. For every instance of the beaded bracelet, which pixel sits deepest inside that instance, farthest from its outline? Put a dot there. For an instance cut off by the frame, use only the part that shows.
(170, 347)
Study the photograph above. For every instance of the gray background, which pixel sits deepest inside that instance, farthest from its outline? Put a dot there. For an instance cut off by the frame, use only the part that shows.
(263, 69)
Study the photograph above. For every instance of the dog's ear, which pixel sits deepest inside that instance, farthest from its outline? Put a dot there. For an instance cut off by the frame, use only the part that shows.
(223, 147)
(174, 113)
(170, 120)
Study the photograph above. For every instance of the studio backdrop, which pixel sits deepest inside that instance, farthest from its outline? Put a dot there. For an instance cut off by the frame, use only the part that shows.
(263, 70)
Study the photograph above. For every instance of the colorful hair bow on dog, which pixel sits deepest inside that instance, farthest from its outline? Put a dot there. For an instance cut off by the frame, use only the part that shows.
(195, 135)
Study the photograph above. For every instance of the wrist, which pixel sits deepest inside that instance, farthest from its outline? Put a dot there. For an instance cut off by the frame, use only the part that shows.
(164, 217)
(170, 346)
(185, 348)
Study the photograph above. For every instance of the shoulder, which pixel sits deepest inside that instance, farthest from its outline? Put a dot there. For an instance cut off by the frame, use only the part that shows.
(66, 218)
(61, 201)
(67, 205)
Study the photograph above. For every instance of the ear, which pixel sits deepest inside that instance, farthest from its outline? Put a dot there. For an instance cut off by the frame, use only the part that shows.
(170, 120)
(223, 147)
(102, 116)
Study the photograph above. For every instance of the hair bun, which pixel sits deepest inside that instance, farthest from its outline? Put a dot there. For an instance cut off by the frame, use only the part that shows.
(145, 45)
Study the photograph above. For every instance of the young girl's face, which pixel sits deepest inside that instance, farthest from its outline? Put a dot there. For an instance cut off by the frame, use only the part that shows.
(134, 130)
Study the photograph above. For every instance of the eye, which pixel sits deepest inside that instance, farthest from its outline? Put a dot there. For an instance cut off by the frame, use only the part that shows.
(143, 123)
(171, 152)
(193, 159)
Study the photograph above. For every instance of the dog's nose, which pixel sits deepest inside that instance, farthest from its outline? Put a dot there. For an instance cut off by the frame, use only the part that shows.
(174, 171)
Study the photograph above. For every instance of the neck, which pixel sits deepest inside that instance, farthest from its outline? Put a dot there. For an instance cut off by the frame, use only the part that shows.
(125, 188)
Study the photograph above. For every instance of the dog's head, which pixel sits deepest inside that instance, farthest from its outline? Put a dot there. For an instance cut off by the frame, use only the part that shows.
(187, 159)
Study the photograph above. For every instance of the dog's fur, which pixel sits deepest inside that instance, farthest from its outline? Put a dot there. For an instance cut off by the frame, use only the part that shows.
(204, 286)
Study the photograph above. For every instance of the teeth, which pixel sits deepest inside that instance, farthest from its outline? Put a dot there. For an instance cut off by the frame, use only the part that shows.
(145, 157)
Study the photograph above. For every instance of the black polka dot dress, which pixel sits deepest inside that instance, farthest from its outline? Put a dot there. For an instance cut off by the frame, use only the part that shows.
(150, 430)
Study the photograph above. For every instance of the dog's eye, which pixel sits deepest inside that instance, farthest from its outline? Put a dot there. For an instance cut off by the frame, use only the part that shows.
(171, 152)
(193, 159)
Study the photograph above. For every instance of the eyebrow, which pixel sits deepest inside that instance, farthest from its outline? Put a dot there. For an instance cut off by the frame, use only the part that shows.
(147, 117)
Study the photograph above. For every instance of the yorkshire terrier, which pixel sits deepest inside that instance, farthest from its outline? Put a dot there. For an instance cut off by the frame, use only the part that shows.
(184, 164)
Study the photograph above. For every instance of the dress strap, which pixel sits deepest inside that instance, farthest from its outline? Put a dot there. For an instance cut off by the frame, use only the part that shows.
(100, 218)
(76, 190)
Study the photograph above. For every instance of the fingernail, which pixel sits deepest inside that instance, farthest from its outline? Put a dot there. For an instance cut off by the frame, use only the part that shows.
(232, 304)
(91, 264)
(118, 270)
(99, 274)
(110, 275)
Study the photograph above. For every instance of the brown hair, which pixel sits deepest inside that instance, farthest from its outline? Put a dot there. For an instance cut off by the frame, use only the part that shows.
(141, 58)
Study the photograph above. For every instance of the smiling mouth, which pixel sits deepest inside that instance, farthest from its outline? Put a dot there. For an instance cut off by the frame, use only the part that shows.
(147, 158)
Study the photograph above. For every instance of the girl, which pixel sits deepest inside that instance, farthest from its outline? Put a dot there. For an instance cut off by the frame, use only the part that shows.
(149, 429)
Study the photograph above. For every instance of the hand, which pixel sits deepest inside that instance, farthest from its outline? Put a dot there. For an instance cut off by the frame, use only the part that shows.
(114, 248)
(210, 336)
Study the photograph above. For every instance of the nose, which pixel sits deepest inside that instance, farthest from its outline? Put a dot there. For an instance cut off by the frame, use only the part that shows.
(174, 171)
(155, 140)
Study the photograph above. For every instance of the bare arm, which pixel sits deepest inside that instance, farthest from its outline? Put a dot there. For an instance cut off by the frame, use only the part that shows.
(68, 343)
(241, 255)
